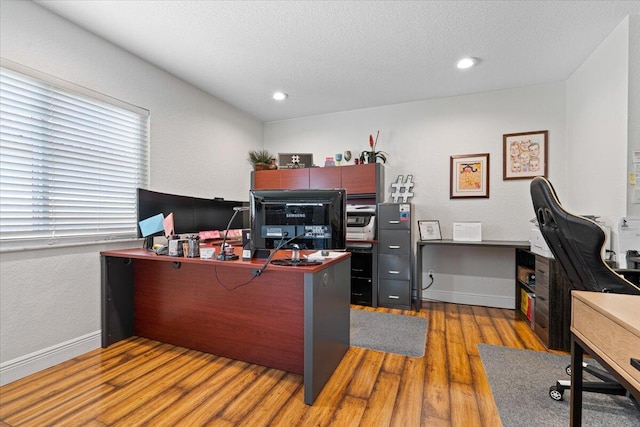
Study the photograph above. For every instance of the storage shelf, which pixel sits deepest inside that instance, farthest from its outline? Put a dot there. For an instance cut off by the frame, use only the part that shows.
(551, 307)
(527, 287)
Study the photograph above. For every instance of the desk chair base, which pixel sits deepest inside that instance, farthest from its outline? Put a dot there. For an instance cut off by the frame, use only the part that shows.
(609, 385)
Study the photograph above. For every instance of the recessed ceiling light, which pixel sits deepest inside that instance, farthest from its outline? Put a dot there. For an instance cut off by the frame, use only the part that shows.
(466, 63)
(280, 96)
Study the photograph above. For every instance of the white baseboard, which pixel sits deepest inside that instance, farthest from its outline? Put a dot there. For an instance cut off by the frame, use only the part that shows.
(23, 366)
(497, 301)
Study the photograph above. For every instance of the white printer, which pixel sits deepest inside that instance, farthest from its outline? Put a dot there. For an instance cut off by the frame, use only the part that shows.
(361, 220)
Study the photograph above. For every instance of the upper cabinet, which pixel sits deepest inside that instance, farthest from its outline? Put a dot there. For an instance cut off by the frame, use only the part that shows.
(359, 180)
(328, 177)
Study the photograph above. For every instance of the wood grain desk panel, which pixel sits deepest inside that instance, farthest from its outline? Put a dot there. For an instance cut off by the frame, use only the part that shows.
(607, 326)
(261, 322)
(294, 319)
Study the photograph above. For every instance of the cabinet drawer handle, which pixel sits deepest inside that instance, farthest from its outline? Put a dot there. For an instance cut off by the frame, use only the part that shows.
(394, 246)
(635, 363)
(394, 222)
(357, 269)
(394, 297)
(394, 272)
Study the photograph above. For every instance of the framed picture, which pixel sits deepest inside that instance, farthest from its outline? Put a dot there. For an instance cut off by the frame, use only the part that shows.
(469, 176)
(429, 230)
(524, 154)
(295, 160)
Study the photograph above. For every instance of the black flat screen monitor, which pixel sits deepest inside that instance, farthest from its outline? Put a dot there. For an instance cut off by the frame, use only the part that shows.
(313, 219)
(190, 214)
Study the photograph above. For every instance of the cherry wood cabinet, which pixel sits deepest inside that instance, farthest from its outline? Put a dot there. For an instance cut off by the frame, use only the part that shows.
(361, 179)
(356, 179)
(320, 178)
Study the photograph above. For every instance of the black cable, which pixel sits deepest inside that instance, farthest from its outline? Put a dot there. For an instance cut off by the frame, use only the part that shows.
(215, 269)
(260, 270)
(429, 285)
(280, 245)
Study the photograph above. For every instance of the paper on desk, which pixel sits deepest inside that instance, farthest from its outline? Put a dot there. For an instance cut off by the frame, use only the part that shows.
(628, 238)
(151, 225)
(168, 225)
(317, 256)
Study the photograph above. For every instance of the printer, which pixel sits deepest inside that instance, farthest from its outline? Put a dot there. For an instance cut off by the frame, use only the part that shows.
(361, 220)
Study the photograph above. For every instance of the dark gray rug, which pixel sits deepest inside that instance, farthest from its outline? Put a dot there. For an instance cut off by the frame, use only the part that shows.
(391, 333)
(520, 381)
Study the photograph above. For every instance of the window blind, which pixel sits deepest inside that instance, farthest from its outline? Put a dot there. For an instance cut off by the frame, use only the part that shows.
(69, 164)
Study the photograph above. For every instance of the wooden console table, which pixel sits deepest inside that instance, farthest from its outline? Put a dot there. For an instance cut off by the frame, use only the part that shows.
(295, 319)
(607, 326)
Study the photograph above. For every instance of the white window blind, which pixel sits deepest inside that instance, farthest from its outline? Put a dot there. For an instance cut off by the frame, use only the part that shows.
(69, 164)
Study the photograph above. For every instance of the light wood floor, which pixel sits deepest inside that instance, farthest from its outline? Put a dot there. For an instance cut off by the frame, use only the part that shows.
(142, 382)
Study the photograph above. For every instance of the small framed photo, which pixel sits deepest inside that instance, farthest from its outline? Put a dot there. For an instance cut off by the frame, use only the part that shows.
(469, 176)
(524, 155)
(429, 230)
(295, 160)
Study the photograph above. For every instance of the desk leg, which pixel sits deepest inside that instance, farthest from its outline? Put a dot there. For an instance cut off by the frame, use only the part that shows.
(327, 325)
(577, 353)
(117, 299)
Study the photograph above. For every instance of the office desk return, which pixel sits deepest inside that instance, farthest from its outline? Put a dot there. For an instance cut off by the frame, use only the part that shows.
(295, 319)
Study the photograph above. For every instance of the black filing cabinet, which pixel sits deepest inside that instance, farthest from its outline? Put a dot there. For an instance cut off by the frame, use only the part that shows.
(395, 255)
(363, 264)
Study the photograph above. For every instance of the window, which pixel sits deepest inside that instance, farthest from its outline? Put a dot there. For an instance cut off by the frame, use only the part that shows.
(69, 163)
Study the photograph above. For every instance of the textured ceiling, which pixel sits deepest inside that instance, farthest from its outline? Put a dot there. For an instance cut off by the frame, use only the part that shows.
(332, 56)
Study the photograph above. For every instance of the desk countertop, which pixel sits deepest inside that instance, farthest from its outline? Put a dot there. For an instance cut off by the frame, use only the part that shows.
(140, 253)
(492, 243)
(620, 308)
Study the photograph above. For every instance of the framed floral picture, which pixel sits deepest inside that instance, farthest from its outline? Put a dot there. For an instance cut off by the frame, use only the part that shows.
(469, 176)
(524, 155)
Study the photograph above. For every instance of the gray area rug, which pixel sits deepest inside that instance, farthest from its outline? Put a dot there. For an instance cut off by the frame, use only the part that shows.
(520, 381)
(391, 333)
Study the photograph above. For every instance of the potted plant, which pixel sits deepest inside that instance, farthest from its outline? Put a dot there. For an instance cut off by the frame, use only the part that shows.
(371, 155)
(260, 159)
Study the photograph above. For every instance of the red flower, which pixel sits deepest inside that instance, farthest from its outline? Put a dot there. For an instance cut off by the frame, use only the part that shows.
(371, 141)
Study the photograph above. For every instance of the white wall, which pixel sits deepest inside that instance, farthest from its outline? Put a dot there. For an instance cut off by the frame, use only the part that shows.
(633, 194)
(421, 136)
(198, 147)
(597, 117)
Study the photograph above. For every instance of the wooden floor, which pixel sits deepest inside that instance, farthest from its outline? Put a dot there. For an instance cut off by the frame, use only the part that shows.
(142, 382)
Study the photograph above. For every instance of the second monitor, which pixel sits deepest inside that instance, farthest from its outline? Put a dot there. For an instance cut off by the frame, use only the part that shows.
(312, 219)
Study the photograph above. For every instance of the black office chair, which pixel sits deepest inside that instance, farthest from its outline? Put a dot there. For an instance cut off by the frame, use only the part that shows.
(576, 243)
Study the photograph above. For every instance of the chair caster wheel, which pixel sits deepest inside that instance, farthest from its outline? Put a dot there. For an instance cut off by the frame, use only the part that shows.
(556, 393)
(568, 370)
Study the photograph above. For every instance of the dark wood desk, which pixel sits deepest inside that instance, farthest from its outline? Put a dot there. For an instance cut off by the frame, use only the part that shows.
(607, 326)
(295, 319)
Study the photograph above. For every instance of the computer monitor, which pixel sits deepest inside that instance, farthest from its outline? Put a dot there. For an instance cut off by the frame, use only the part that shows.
(312, 219)
(190, 214)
